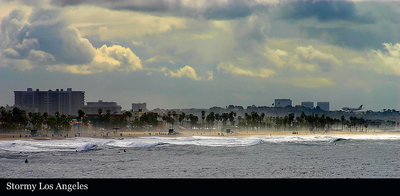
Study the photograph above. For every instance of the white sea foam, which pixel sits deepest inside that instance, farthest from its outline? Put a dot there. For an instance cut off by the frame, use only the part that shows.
(85, 144)
(87, 147)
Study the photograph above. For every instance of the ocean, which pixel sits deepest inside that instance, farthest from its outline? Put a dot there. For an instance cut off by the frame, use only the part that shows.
(309, 156)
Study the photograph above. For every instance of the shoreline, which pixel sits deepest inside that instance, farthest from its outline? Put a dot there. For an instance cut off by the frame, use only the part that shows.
(49, 135)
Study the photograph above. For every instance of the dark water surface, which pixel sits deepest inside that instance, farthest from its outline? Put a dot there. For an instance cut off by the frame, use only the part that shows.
(198, 157)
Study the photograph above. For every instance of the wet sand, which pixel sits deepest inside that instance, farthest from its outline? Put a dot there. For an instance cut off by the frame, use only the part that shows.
(46, 135)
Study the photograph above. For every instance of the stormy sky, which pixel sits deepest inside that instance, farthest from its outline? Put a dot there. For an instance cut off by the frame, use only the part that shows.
(204, 53)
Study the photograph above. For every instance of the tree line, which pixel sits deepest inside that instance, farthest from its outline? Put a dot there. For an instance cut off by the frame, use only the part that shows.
(18, 119)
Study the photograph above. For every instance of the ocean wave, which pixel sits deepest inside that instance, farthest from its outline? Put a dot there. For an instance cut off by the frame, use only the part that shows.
(86, 147)
(333, 140)
(6, 144)
(85, 144)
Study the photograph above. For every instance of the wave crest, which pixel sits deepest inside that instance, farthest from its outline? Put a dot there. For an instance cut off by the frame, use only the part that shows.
(85, 144)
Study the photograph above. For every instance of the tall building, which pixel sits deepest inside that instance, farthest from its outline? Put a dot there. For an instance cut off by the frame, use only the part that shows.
(139, 107)
(308, 104)
(283, 102)
(64, 102)
(93, 107)
(323, 105)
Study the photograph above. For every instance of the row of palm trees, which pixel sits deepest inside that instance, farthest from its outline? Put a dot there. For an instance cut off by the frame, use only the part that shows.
(290, 121)
(170, 119)
(105, 120)
(257, 121)
(18, 119)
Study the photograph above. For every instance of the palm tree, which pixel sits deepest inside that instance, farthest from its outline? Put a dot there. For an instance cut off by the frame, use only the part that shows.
(169, 120)
(64, 122)
(262, 123)
(193, 120)
(290, 120)
(36, 120)
(181, 118)
(203, 116)
(128, 114)
(107, 119)
(45, 118)
(217, 118)
(19, 118)
(81, 114)
(247, 119)
(52, 123)
(342, 118)
(232, 118)
(210, 119)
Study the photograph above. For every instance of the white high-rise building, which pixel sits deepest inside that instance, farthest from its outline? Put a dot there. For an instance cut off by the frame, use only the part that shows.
(64, 102)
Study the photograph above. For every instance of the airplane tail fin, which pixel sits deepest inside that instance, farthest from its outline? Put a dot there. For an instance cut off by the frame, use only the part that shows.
(361, 106)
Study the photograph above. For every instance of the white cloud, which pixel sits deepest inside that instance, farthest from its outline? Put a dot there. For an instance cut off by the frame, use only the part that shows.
(113, 58)
(230, 68)
(276, 56)
(158, 58)
(210, 75)
(118, 57)
(117, 24)
(186, 71)
(301, 58)
(44, 39)
(310, 55)
(386, 62)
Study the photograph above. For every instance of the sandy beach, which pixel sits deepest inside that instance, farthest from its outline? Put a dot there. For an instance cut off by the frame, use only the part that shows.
(46, 135)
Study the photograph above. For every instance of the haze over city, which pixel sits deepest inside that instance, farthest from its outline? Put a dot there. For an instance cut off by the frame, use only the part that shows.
(199, 53)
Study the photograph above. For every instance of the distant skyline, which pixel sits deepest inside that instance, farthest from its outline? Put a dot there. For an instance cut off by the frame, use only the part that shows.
(204, 53)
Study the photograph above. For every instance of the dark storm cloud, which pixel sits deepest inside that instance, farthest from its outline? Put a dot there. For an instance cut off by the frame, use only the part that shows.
(211, 9)
(355, 38)
(344, 36)
(235, 9)
(324, 11)
(137, 5)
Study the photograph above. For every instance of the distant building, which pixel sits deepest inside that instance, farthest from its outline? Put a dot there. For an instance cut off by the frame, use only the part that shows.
(283, 102)
(308, 104)
(64, 102)
(139, 107)
(323, 105)
(93, 107)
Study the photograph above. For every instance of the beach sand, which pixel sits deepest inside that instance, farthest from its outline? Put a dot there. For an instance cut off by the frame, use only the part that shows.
(46, 135)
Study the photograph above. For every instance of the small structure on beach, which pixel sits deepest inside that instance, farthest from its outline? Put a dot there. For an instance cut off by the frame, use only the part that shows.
(228, 130)
(171, 131)
(115, 130)
(33, 132)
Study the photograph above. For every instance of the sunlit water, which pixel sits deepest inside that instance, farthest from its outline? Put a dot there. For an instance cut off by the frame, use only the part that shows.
(357, 156)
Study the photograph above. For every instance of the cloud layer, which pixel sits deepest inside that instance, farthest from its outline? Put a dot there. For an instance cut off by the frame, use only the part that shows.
(243, 47)
(208, 9)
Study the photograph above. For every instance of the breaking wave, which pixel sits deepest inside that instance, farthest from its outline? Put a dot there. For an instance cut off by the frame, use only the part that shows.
(337, 140)
(87, 147)
(86, 144)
